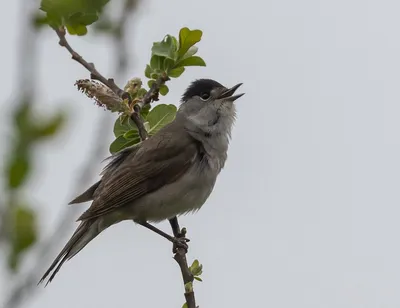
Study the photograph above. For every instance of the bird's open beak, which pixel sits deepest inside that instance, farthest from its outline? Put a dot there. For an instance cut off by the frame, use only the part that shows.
(228, 94)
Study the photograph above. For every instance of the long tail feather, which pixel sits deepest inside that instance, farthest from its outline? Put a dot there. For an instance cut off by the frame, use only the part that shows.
(85, 232)
(87, 195)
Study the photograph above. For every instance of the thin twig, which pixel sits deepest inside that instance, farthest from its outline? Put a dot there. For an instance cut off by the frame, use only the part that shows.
(94, 73)
(148, 98)
(180, 258)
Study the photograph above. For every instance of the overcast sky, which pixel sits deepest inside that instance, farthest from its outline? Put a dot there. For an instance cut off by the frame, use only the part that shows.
(306, 212)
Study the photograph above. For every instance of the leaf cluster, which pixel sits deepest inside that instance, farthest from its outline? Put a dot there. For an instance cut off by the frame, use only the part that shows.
(75, 15)
(171, 55)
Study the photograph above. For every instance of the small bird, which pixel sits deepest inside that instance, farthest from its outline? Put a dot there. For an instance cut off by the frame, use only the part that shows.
(170, 174)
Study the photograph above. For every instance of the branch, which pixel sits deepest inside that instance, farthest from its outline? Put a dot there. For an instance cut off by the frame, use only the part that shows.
(180, 258)
(94, 73)
(148, 98)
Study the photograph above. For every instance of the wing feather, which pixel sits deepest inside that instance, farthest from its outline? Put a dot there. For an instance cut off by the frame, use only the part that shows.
(150, 169)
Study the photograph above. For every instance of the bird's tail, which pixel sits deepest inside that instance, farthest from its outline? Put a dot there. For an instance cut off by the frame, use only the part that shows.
(85, 232)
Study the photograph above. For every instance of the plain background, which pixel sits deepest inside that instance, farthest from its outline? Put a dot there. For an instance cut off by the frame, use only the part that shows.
(306, 212)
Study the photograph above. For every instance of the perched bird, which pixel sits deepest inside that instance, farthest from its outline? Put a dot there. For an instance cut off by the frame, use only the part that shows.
(169, 174)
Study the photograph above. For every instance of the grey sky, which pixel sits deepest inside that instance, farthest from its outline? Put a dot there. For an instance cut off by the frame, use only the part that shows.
(306, 212)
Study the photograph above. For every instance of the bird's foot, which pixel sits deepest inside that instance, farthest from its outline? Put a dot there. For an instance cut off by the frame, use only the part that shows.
(180, 241)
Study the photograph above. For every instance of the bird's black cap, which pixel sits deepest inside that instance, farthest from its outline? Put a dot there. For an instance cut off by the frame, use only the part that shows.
(200, 86)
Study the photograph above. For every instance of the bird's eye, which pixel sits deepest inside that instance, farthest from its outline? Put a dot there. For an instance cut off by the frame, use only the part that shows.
(204, 96)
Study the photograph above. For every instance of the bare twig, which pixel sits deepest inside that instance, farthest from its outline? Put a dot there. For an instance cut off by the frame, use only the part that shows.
(94, 73)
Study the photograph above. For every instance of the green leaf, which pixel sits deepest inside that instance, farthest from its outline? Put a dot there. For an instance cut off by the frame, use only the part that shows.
(189, 287)
(168, 64)
(198, 278)
(76, 15)
(18, 170)
(145, 111)
(160, 116)
(122, 125)
(156, 62)
(79, 30)
(133, 133)
(191, 52)
(164, 90)
(118, 144)
(187, 38)
(192, 61)
(23, 233)
(121, 142)
(185, 305)
(196, 268)
(176, 72)
(141, 92)
(195, 264)
(150, 82)
(166, 48)
(148, 71)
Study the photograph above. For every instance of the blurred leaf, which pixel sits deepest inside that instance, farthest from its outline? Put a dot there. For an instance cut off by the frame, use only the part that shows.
(39, 20)
(185, 305)
(187, 38)
(122, 125)
(104, 25)
(192, 61)
(18, 169)
(176, 72)
(160, 116)
(23, 233)
(22, 118)
(150, 82)
(166, 48)
(164, 90)
(198, 278)
(49, 127)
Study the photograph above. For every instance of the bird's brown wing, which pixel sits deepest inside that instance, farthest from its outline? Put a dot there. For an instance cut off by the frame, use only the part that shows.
(162, 159)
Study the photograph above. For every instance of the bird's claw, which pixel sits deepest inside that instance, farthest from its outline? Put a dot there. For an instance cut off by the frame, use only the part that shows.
(180, 242)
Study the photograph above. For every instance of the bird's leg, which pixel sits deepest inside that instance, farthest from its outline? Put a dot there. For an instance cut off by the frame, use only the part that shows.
(178, 233)
(177, 241)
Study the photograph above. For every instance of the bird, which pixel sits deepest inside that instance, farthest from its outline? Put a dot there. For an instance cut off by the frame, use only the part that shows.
(167, 175)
